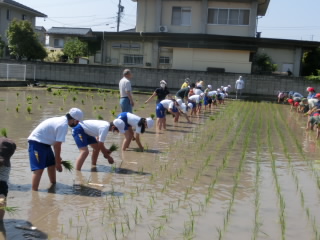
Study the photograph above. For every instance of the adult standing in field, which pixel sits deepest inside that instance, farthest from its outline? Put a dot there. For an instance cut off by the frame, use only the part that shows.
(239, 86)
(162, 92)
(93, 133)
(184, 93)
(50, 132)
(125, 122)
(126, 99)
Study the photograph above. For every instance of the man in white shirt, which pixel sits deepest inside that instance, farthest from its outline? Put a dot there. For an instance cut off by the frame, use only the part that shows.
(126, 99)
(50, 132)
(239, 86)
(93, 133)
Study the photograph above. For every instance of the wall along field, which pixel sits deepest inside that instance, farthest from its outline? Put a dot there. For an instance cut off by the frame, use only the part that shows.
(245, 170)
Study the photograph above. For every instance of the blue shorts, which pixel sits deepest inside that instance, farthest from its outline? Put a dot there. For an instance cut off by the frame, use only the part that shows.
(160, 111)
(40, 155)
(194, 105)
(125, 105)
(81, 138)
(123, 116)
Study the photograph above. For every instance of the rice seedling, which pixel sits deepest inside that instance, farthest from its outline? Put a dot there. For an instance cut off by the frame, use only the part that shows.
(114, 147)
(101, 107)
(61, 109)
(113, 112)
(152, 115)
(67, 165)
(74, 99)
(17, 94)
(49, 89)
(17, 109)
(99, 117)
(4, 132)
(29, 109)
(10, 210)
(82, 102)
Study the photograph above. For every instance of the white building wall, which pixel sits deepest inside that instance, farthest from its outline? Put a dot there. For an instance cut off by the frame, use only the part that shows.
(201, 59)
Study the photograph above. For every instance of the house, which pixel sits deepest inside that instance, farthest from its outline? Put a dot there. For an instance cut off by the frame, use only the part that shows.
(41, 33)
(201, 35)
(59, 35)
(10, 10)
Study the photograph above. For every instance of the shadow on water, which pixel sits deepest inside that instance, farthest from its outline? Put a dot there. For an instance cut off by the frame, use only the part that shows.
(15, 229)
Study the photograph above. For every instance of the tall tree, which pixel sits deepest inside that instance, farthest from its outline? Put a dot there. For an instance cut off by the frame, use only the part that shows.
(74, 48)
(23, 41)
(311, 63)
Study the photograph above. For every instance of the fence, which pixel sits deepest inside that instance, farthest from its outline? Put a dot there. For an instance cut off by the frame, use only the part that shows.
(148, 78)
(12, 72)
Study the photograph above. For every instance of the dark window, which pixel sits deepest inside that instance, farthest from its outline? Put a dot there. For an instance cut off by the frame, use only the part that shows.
(133, 59)
(181, 16)
(164, 60)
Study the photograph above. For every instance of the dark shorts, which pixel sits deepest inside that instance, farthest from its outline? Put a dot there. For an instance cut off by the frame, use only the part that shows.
(194, 105)
(160, 111)
(40, 155)
(3, 188)
(81, 138)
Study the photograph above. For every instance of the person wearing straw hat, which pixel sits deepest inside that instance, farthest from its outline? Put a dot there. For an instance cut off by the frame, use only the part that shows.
(93, 133)
(7, 149)
(125, 122)
(50, 132)
(161, 92)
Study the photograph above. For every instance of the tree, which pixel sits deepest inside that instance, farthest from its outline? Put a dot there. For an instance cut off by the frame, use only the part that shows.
(262, 63)
(75, 48)
(23, 41)
(2, 46)
(311, 63)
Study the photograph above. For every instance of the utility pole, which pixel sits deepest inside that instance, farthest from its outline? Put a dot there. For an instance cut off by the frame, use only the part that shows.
(120, 10)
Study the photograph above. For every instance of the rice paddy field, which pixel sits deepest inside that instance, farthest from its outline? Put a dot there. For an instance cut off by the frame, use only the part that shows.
(244, 170)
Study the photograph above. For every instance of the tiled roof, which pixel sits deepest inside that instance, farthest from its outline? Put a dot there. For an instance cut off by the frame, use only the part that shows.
(21, 6)
(69, 31)
(40, 28)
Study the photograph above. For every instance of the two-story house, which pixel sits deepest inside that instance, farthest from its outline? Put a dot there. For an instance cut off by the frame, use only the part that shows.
(218, 35)
(10, 10)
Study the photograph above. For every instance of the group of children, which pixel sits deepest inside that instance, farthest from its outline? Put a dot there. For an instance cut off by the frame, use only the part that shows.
(309, 106)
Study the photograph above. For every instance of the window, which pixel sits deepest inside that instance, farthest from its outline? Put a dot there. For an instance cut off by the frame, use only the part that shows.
(133, 59)
(228, 16)
(58, 43)
(8, 14)
(24, 17)
(181, 16)
(164, 60)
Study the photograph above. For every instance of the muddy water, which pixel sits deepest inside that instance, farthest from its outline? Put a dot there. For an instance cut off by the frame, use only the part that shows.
(223, 178)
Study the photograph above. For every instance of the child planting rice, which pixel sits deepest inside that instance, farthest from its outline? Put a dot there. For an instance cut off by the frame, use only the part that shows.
(162, 107)
(93, 133)
(7, 149)
(125, 123)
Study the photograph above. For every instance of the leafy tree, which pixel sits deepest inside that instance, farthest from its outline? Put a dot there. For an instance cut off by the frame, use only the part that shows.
(262, 63)
(74, 48)
(23, 41)
(2, 46)
(54, 56)
(311, 63)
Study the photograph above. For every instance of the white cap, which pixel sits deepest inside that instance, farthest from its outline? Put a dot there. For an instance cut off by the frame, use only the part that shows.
(209, 86)
(201, 94)
(76, 113)
(179, 101)
(222, 87)
(150, 122)
(119, 124)
(229, 85)
(163, 81)
(190, 105)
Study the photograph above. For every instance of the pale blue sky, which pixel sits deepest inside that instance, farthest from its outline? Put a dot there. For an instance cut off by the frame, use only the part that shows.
(288, 19)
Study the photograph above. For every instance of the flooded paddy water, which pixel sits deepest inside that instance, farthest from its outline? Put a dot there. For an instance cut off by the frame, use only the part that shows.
(246, 170)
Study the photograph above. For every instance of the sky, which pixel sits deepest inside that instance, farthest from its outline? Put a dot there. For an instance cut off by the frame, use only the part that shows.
(285, 19)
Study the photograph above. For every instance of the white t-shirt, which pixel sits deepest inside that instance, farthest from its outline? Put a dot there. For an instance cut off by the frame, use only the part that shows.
(167, 103)
(212, 93)
(124, 86)
(197, 91)
(50, 131)
(183, 107)
(226, 89)
(195, 98)
(239, 84)
(133, 120)
(96, 128)
(312, 102)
